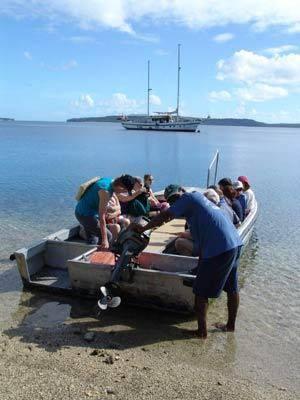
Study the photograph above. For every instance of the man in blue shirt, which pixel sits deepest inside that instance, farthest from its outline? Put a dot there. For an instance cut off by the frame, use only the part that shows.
(218, 245)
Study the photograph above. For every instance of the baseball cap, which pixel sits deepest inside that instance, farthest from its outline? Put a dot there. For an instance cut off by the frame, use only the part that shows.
(225, 182)
(238, 185)
(170, 190)
(244, 179)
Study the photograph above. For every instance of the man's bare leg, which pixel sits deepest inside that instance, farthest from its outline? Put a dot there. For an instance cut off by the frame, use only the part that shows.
(201, 306)
(233, 301)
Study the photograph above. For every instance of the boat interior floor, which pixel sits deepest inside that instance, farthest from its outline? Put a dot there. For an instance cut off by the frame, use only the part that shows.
(159, 238)
(51, 276)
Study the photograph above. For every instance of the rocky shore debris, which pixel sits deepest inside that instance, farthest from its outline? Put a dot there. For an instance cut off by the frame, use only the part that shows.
(89, 336)
(110, 390)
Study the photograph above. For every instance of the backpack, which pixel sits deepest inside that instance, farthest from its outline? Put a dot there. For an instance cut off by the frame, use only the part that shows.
(84, 186)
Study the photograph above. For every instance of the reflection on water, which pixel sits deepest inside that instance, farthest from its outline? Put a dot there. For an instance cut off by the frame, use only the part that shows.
(37, 198)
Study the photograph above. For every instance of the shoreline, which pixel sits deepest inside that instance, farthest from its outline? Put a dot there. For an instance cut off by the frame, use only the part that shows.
(49, 355)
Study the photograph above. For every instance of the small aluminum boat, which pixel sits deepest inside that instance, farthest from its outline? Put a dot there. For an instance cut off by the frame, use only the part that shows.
(62, 262)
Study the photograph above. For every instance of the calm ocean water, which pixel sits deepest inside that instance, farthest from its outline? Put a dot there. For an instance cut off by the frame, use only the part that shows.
(42, 164)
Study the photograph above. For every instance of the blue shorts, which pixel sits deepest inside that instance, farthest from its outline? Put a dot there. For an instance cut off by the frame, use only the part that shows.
(92, 229)
(217, 273)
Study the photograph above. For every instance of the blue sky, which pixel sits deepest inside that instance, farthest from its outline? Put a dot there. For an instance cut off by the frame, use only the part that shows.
(69, 58)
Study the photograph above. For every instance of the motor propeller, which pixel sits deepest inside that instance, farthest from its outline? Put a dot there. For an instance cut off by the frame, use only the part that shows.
(127, 246)
(107, 300)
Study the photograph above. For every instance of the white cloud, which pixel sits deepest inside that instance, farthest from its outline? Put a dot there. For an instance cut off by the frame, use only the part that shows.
(120, 100)
(195, 14)
(281, 49)
(248, 67)
(155, 100)
(150, 38)
(81, 39)
(84, 101)
(223, 37)
(242, 111)
(27, 55)
(63, 67)
(222, 95)
(117, 103)
(261, 92)
(294, 28)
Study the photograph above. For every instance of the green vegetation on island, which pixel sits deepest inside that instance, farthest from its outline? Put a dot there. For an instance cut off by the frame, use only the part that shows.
(6, 119)
(204, 121)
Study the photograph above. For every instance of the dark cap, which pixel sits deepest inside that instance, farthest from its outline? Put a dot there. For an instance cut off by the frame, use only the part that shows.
(171, 190)
(225, 182)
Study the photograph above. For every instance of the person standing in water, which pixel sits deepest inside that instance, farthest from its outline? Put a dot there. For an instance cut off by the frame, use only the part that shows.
(218, 247)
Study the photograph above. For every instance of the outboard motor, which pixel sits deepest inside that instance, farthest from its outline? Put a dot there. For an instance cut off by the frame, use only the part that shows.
(128, 246)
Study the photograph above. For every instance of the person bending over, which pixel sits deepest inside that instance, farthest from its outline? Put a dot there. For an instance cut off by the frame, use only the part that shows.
(219, 245)
(91, 209)
(136, 200)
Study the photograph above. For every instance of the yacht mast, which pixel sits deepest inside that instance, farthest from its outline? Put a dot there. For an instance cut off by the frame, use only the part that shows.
(178, 81)
(149, 90)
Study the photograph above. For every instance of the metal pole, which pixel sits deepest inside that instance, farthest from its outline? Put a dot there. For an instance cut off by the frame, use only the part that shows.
(215, 160)
(216, 169)
(178, 81)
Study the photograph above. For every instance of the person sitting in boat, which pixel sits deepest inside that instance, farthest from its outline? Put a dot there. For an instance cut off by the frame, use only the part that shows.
(136, 200)
(248, 192)
(184, 244)
(224, 182)
(225, 206)
(212, 195)
(155, 204)
(114, 220)
(219, 244)
(91, 209)
(239, 188)
(230, 197)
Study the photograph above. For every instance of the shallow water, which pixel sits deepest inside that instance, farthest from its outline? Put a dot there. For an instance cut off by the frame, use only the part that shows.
(42, 164)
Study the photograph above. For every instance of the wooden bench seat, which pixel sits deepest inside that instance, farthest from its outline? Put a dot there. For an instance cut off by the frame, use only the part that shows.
(161, 236)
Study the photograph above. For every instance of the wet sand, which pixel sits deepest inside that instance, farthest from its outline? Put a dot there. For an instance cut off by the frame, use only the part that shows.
(62, 349)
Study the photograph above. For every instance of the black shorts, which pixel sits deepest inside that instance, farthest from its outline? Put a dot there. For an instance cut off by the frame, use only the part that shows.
(217, 273)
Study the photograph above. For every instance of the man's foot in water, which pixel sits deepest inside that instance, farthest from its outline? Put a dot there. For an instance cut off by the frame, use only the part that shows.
(224, 327)
(197, 333)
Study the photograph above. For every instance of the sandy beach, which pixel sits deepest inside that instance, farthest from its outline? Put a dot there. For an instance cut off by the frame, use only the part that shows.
(129, 354)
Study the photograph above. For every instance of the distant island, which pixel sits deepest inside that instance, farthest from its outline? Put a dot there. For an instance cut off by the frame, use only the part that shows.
(204, 121)
(6, 119)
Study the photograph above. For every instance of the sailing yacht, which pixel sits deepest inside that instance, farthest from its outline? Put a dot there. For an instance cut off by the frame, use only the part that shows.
(164, 121)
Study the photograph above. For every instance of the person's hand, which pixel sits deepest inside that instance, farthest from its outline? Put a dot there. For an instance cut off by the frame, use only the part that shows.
(136, 227)
(104, 246)
(143, 190)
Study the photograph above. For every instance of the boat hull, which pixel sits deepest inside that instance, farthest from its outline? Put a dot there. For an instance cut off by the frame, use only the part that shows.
(175, 127)
(61, 263)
